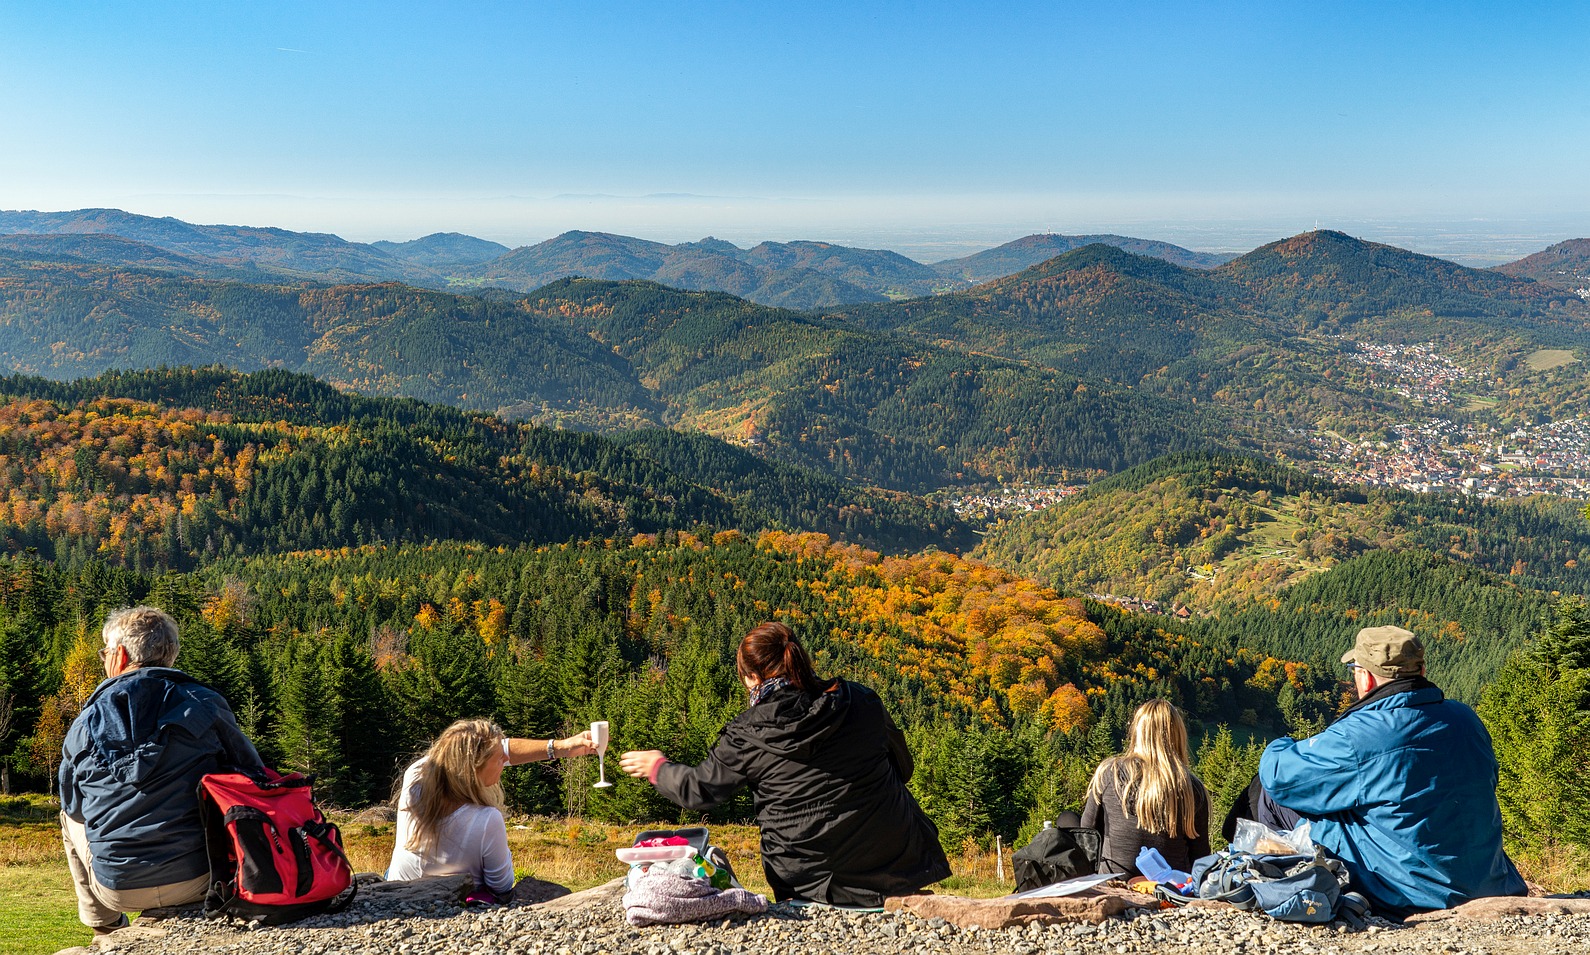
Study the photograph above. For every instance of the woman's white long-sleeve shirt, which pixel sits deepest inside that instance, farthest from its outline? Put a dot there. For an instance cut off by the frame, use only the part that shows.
(471, 841)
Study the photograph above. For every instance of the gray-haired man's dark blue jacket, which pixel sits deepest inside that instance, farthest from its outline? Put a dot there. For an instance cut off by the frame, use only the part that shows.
(130, 770)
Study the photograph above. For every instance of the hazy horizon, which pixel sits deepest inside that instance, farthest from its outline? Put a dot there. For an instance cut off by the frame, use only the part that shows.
(520, 221)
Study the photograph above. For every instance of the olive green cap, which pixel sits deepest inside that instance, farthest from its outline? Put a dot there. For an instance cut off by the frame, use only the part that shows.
(1387, 652)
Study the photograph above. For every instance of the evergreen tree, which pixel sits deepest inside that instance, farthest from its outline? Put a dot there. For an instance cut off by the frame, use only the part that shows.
(1538, 713)
(1226, 769)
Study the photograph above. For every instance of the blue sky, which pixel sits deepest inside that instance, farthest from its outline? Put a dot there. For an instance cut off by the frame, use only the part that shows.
(1233, 122)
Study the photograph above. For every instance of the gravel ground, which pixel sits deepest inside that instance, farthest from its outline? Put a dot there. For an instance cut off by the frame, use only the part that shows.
(445, 928)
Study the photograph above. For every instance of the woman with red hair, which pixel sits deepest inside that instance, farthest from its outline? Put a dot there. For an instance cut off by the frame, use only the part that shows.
(827, 766)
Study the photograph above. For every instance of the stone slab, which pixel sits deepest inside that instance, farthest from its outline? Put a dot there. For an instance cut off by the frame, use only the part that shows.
(1093, 906)
(1501, 907)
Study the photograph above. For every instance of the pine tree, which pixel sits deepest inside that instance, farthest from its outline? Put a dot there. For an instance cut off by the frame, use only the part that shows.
(1226, 770)
(1538, 713)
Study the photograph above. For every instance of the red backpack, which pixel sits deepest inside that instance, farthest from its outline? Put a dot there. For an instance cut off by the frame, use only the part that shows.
(273, 857)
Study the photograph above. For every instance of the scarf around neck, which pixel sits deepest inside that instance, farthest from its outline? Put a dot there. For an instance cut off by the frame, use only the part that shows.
(766, 687)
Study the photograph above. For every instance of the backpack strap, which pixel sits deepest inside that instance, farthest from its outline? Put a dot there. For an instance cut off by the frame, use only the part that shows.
(1353, 909)
(321, 831)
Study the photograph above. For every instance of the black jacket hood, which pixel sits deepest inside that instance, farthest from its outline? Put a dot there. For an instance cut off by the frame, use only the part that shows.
(793, 724)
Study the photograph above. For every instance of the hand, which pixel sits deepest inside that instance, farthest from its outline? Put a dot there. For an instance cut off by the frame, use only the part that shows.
(577, 745)
(640, 764)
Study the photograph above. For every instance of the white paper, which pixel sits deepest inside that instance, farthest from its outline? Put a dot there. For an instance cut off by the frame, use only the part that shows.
(1068, 887)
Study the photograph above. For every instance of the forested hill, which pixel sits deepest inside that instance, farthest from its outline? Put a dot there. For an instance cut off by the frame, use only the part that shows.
(341, 662)
(1565, 265)
(1331, 277)
(1246, 545)
(1275, 331)
(169, 467)
(876, 409)
(1471, 621)
(1215, 530)
(1024, 253)
(880, 409)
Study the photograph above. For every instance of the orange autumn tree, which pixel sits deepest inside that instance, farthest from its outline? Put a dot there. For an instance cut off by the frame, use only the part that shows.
(956, 624)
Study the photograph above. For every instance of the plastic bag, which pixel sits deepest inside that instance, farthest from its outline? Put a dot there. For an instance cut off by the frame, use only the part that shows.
(1259, 839)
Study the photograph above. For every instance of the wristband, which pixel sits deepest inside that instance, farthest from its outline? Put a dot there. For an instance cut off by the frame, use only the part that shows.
(550, 755)
(505, 754)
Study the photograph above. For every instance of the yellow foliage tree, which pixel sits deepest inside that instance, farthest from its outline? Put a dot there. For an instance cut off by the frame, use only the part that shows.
(82, 673)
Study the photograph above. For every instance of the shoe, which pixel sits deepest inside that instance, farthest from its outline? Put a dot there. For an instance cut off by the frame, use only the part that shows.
(103, 930)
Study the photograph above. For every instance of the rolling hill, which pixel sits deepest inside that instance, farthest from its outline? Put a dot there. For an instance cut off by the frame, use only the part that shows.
(444, 251)
(65, 320)
(800, 275)
(876, 409)
(167, 467)
(1274, 559)
(1330, 277)
(308, 255)
(707, 265)
(1564, 265)
(1274, 331)
(1215, 530)
(1024, 253)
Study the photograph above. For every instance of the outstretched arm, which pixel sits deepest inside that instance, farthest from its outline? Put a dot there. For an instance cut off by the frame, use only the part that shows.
(536, 750)
(698, 788)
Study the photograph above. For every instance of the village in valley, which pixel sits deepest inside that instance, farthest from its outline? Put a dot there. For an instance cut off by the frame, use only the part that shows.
(1443, 455)
(1010, 500)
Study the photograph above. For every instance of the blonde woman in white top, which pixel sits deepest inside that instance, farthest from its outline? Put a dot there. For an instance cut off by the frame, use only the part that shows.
(450, 819)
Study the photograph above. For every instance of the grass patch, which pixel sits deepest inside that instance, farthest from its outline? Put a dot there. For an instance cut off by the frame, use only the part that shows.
(1548, 358)
(38, 910)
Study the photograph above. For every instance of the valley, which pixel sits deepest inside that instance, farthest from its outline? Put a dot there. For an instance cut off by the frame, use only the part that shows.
(1016, 509)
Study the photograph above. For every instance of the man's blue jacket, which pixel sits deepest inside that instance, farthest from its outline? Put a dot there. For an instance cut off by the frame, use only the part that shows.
(130, 771)
(1401, 788)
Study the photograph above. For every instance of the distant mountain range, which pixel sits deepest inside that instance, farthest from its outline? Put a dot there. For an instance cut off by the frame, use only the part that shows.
(1091, 361)
(303, 255)
(607, 355)
(800, 275)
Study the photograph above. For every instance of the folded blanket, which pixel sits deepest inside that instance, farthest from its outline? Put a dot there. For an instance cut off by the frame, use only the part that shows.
(660, 897)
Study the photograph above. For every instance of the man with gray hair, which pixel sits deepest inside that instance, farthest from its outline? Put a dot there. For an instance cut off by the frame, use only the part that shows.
(130, 770)
(1401, 788)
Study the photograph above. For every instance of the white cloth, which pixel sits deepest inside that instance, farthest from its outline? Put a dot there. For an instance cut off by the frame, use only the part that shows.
(471, 841)
(660, 897)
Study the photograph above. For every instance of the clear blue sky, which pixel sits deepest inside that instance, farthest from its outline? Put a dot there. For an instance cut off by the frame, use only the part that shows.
(394, 119)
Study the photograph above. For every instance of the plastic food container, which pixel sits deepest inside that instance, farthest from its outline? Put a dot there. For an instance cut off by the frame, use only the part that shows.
(648, 854)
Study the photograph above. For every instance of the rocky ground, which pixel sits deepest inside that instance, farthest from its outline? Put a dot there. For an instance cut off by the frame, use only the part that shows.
(591, 923)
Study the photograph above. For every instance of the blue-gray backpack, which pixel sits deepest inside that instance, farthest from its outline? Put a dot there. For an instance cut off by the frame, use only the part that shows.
(1291, 888)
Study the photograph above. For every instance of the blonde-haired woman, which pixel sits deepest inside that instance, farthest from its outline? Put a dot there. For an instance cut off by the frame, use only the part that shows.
(1148, 797)
(450, 820)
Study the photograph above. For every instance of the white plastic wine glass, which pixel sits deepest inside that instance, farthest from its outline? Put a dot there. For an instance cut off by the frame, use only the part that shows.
(599, 740)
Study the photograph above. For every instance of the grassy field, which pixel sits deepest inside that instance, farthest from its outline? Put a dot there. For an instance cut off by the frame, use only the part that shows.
(38, 912)
(1548, 358)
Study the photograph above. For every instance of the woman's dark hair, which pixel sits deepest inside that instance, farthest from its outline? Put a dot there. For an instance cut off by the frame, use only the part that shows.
(771, 650)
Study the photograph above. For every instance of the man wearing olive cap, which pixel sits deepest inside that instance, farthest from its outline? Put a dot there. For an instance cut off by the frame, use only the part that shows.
(1401, 788)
